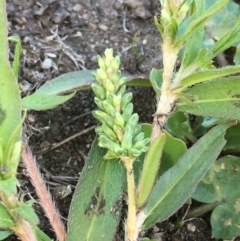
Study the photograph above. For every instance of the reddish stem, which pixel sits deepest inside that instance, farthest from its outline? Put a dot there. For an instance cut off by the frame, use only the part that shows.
(43, 194)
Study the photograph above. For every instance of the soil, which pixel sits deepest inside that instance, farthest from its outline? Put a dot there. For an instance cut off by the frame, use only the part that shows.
(63, 36)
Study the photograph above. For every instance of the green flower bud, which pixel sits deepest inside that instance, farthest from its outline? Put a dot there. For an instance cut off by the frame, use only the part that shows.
(107, 84)
(117, 102)
(97, 77)
(103, 117)
(127, 112)
(109, 132)
(109, 121)
(134, 152)
(118, 120)
(122, 90)
(104, 141)
(119, 132)
(140, 144)
(144, 149)
(137, 129)
(122, 81)
(13, 161)
(99, 91)
(138, 137)
(115, 77)
(101, 62)
(132, 122)
(109, 56)
(115, 64)
(109, 97)
(98, 103)
(125, 100)
(165, 18)
(102, 74)
(127, 138)
(109, 109)
(111, 155)
(99, 130)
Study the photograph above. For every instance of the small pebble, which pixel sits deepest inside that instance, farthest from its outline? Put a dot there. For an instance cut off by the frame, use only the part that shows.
(103, 27)
(77, 7)
(92, 26)
(47, 63)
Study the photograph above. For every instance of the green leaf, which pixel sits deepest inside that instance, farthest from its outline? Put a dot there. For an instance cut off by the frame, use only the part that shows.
(40, 101)
(80, 80)
(221, 184)
(174, 187)
(65, 83)
(199, 21)
(156, 81)
(223, 21)
(178, 125)
(51, 93)
(96, 206)
(41, 236)
(218, 98)
(172, 151)
(27, 212)
(150, 168)
(5, 218)
(5, 234)
(236, 59)
(10, 96)
(227, 41)
(8, 187)
(194, 43)
(206, 75)
(233, 136)
(17, 54)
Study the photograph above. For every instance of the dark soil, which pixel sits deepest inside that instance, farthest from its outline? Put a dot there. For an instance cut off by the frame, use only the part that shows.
(63, 36)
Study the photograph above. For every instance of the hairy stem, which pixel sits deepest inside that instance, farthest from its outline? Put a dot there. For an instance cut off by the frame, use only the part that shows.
(25, 231)
(43, 194)
(167, 100)
(131, 226)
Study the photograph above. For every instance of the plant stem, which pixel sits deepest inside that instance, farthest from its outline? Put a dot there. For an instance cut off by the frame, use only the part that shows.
(43, 194)
(167, 100)
(25, 231)
(198, 211)
(131, 226)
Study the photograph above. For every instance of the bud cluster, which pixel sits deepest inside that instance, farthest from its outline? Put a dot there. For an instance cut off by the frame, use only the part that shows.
(119, 130)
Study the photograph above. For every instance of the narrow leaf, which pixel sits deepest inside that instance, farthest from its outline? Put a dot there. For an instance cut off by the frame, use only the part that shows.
(226, 41)
(218, 98)
(5, 218)
(41, 236)
(198, 22)
(96, 206)
(150, 169)
(5, 234)
(40, 101)
(174, 187)
(81, 80)
(194, 43)
(206, 75)
(156, 81)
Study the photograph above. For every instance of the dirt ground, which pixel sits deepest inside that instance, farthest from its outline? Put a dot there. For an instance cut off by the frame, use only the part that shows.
(63, 36)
